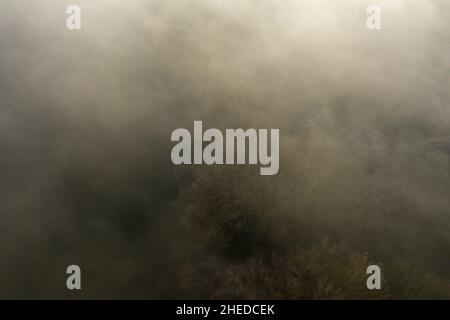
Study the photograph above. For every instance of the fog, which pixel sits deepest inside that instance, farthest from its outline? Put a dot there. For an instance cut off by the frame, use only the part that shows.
(86, 118)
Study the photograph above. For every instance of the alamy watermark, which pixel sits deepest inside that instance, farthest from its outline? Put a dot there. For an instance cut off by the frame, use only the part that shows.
(236, 146)
(73, 21)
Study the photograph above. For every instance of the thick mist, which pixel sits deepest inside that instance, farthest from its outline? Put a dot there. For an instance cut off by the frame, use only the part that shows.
(86, 118)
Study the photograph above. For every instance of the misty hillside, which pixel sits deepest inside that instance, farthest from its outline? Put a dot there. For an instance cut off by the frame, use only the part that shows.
(86, 176)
